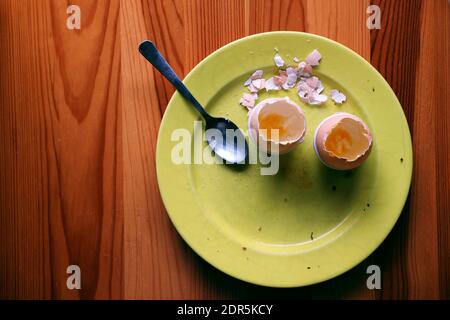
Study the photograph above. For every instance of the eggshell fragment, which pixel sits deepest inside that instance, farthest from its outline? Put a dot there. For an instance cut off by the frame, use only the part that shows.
(279, 62)
(309, 90)
(277, 113)
(303, 69)
(257, 85)
(313, 58)
(273, 83)
(291, 79)
(342, 141)
(337, 96)
(258, 74)
(248, 100)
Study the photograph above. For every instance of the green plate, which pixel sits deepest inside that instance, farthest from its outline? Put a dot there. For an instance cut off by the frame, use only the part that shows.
(307, 223)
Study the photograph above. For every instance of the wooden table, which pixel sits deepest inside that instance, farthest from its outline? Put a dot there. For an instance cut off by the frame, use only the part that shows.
(79, 117)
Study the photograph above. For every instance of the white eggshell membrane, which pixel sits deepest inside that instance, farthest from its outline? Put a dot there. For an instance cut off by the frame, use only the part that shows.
(342, 141)
(291, 117)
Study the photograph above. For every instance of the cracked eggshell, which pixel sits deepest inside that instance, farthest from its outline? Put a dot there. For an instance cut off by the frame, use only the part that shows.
(292, 118)
(351, 126)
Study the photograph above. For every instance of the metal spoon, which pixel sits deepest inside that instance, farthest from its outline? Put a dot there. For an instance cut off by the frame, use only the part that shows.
(227, 140)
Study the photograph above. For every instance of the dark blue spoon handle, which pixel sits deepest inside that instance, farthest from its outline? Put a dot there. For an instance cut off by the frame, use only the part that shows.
(151, 53)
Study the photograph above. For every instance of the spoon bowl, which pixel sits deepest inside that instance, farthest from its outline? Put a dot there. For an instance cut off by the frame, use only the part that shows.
(226, 140)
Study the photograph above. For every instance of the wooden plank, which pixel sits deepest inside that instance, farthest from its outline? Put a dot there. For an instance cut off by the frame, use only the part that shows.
(428, 247)
(60, 202)
(440, 51)
(343, 21)
(164, 24)
(267, 15)
(210, 25)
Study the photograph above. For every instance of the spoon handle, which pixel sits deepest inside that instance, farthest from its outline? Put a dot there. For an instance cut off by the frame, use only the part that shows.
(152, 54)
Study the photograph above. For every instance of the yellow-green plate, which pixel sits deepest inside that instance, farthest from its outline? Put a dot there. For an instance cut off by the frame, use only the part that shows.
(307, 223)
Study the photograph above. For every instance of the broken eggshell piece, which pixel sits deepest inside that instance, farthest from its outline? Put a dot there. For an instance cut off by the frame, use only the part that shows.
(248, 100)
(342, 141)
(277, 113)
(337, 96)
(279, 62)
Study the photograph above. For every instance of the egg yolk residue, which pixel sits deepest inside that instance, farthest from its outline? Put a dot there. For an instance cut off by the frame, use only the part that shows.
(272, 121)
(339, 142)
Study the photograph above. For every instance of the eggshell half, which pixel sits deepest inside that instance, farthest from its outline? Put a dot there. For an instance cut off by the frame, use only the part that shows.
(295, 124)
(360, 133)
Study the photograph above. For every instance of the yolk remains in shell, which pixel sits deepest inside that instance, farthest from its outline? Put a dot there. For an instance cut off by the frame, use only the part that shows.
(273, 121)
(339, 142)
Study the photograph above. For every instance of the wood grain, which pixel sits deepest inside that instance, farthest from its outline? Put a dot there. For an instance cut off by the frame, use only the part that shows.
(60, 181)
(431, 222)
(79, 118)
